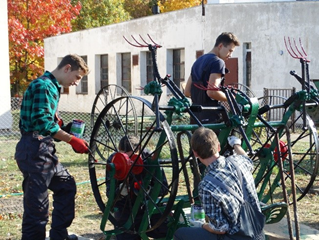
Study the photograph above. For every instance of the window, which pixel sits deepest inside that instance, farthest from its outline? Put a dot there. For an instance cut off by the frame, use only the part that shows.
(126, 71)
(135, 60)
(199, 53)
(149, 67)
(104, 70)
(82, 88)
(247, 64)
(178, 66)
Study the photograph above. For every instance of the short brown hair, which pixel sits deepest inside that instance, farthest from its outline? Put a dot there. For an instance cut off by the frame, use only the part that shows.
(128, 143)
(205, 142)
(227, 38)
(76, 63)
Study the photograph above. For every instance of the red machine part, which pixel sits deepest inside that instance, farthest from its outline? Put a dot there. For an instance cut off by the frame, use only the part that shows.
(123, 164)
(283, 150)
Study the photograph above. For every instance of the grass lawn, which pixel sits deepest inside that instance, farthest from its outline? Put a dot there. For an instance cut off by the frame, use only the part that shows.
(88, 215)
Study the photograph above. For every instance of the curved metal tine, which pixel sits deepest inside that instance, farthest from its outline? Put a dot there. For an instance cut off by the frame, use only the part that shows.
(141, 45)
(303, 50)
(199, 86)
(134, 45)
(301, 55)
(157, 45)
(143, 40)
(296, 55)
(288, 48)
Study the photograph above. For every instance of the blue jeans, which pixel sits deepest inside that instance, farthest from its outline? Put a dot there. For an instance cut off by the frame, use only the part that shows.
(191, 233)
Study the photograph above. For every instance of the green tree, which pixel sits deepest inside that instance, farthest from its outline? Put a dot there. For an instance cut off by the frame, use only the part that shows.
(139, 8)
(29, 22)
(97, 13)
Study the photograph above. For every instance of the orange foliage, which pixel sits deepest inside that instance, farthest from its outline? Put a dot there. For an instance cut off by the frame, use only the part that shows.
(173, 5)
(29, 22)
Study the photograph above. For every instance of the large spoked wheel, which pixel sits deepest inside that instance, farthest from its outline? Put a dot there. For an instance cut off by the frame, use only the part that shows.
(304, 148)
(108, 94)
(150, 184)
(103, 97)
(260, 134)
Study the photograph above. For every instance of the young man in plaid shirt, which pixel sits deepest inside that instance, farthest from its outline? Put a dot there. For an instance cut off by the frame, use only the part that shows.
(36, 154)
(221, 208)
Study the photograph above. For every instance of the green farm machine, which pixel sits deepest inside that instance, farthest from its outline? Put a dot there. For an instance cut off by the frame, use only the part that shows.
(162, 172)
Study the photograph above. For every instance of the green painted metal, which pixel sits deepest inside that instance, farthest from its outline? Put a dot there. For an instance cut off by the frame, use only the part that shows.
(249, 123)
(266, 158)
(246, 118)
(275, 212)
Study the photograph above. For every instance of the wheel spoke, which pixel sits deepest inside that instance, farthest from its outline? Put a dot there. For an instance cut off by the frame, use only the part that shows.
(304, 148)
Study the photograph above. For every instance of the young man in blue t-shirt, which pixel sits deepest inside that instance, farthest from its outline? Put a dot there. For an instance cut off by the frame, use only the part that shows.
(208, 72)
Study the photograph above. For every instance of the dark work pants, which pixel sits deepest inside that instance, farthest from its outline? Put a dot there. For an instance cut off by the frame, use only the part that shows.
(42, 171)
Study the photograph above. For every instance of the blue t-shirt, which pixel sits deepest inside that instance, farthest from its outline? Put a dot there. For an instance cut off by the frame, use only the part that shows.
(202, 68)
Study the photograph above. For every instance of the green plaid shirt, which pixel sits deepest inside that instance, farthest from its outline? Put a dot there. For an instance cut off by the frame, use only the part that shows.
(39, 105)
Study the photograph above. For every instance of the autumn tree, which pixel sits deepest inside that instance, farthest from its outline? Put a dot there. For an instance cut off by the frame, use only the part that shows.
(142, 8)
(97, 13)
(139, 8)
(29, 22)
(173, 5)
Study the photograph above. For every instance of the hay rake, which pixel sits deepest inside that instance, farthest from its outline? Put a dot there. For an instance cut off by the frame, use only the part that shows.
(159, 193)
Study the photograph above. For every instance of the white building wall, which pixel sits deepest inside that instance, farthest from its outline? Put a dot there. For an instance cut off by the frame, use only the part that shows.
(5, 106)
(242, 1)
(264, 25)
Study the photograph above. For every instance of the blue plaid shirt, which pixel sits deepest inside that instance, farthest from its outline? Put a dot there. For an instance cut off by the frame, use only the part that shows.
(39, 105)
(220, 207)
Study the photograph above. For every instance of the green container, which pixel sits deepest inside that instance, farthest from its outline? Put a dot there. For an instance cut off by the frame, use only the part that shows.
(77, 128)
(197, 212)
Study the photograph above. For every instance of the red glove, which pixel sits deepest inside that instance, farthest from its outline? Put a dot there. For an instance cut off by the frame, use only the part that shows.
(79, 145)
(58, 120)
